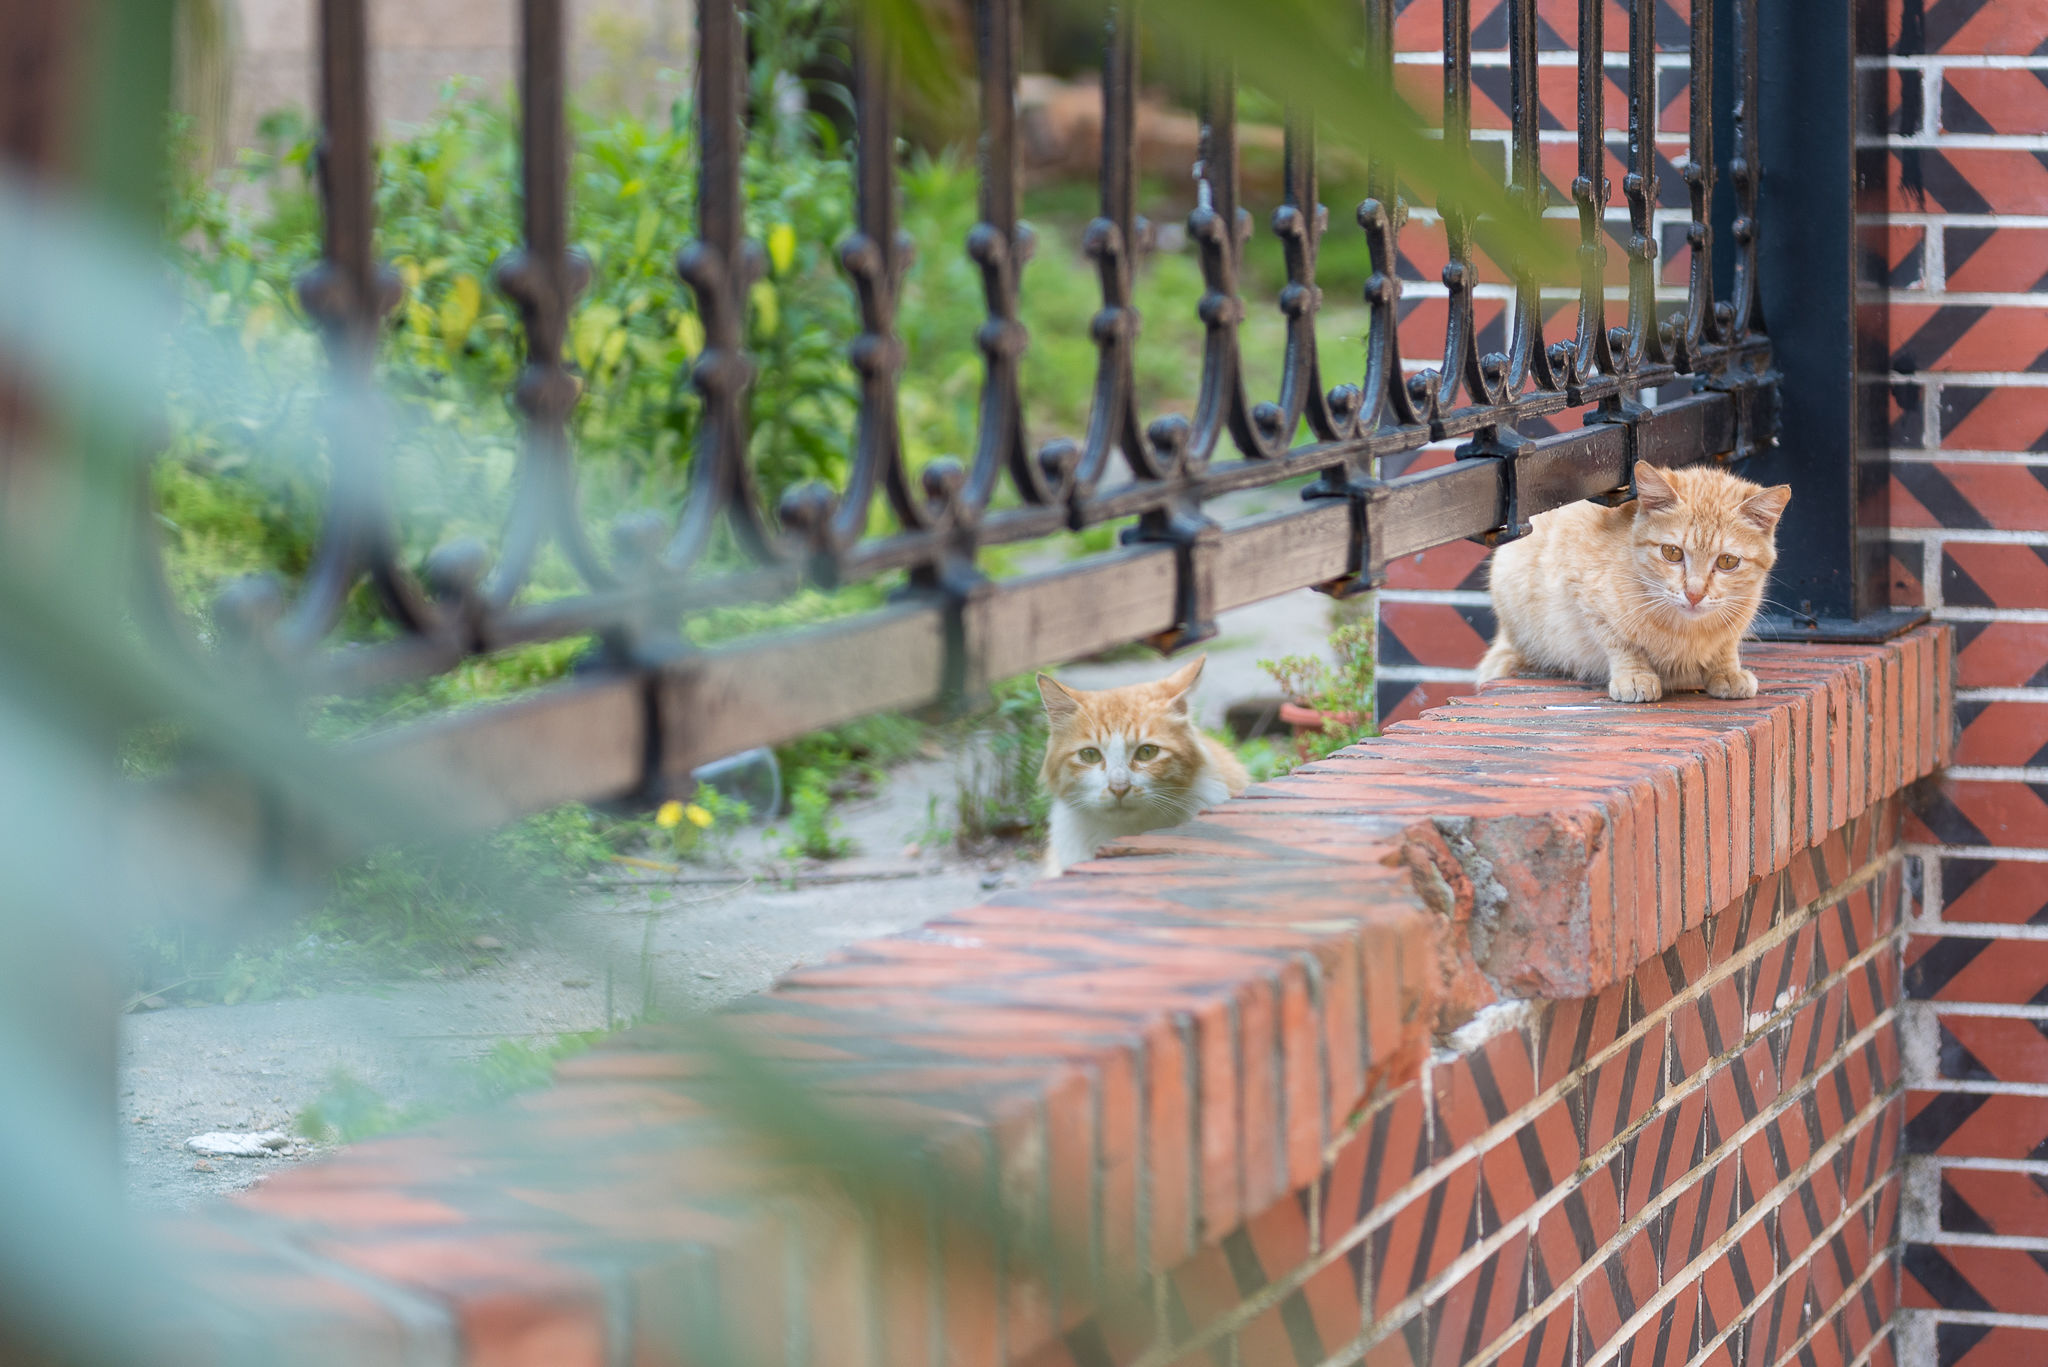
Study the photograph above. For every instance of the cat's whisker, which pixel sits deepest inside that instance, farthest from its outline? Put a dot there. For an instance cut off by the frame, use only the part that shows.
(1766, 604)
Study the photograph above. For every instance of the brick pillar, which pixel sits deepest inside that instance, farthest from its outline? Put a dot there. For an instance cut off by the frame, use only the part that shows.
(1964, 274)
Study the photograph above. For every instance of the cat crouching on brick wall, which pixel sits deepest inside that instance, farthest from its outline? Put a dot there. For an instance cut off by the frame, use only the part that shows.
(1651, 597)
(1120, 761)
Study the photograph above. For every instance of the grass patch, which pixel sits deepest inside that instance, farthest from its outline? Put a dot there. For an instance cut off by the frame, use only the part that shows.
(400, 911)
(349, 1109)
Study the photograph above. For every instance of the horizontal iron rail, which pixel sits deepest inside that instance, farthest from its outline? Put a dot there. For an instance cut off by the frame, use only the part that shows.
(607, 737)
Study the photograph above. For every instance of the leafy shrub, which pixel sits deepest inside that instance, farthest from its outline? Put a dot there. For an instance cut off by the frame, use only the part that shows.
(453, 352)
(1339, 688)
(1263, 757)
(231, 504)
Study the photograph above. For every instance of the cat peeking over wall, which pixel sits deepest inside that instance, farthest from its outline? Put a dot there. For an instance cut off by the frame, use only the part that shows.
(1123, 760)
(1651, 597)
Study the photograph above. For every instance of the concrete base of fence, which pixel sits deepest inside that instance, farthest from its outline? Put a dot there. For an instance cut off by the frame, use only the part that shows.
(1540, 1030)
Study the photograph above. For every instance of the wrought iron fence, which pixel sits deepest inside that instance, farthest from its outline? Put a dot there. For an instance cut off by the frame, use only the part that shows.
(1667, 375)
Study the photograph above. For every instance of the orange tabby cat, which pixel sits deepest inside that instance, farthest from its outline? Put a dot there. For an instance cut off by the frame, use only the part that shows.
(1654, 595)
(1124, 760)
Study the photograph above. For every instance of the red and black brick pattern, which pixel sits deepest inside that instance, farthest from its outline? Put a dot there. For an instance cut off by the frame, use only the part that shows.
(1699, 1159)
(1960, 169)
(2007, 891)
(1995, 260)
(1965, 162)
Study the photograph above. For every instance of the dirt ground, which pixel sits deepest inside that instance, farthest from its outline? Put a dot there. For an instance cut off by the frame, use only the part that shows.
(637, 944)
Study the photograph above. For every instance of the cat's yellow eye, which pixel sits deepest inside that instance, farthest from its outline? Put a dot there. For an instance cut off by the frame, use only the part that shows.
(1090, 755)
(1148, 752)
(1726, 562)
(1673, 553)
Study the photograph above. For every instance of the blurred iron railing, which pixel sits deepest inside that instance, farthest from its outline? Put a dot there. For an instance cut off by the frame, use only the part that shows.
(1680, 379)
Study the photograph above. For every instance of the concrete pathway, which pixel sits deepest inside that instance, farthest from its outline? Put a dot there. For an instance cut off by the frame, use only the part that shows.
(632, 944)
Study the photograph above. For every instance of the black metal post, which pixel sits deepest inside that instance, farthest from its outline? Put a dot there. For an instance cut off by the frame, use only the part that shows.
(1728, 71)
(1827, 585)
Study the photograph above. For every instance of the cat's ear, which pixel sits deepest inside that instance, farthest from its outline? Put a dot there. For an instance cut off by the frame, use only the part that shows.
(1060, 702)
(1763, 508)
(1180, 683)
(1654, 491)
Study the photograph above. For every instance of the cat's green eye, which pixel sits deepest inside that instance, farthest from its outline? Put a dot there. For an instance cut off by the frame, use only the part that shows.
(1674, 553)
(1090, 755)
(1148, 752)
(1726, 562)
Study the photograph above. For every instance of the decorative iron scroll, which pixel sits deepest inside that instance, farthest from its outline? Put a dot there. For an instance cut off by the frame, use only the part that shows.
(1017, 484)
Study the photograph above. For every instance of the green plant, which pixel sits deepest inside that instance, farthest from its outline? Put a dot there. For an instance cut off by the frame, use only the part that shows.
(1340, 688)
(349, 1109)
(454, 350)
(813, 828)
(432, 903)
(933, 833)
(996, 789)
(78, 676)
(1263, 757)
(513, 1065)
(403, 909)
(240, 490)
(849, 761)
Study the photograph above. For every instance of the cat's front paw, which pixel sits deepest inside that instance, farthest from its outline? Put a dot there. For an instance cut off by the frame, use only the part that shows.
(1635, 685)
(1738, 684)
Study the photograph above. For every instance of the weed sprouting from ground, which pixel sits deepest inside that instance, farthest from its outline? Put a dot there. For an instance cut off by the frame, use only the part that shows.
(396, 911)
(702, 828)
(813, 831)
(349, 1109)
(849, 761)
(997, 793)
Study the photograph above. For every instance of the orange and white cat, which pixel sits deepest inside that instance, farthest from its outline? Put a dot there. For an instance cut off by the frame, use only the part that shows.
(1124, 760)
(1651, 597)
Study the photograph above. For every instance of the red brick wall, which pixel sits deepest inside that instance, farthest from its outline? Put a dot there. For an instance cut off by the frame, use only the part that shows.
(1541, 1030)
(1968, 234)
(1957, 286)
(1700, 1159)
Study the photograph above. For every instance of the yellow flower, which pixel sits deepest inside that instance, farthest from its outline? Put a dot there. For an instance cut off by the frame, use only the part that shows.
(781, 248)
(668, 815)
(699, 818)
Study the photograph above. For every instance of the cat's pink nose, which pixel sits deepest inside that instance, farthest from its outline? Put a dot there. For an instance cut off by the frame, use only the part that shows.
(1118, 787)
(1694, 598)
